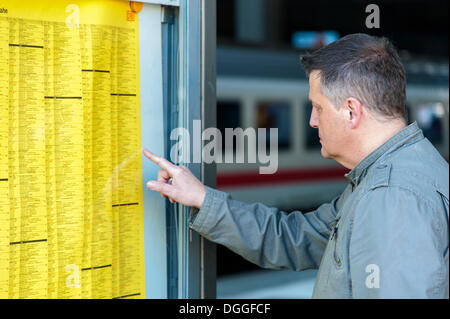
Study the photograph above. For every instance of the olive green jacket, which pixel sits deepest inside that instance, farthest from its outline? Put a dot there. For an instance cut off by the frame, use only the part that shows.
(385, 236)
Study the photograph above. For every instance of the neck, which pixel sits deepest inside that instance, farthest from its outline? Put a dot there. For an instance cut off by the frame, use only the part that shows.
(369, 139)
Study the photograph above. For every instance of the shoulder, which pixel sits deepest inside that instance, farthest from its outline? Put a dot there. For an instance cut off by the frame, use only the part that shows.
(396, 214)
(399, 197)
(410, 184)
(417, 168)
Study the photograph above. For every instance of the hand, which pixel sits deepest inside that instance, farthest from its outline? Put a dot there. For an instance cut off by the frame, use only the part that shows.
(176, 182)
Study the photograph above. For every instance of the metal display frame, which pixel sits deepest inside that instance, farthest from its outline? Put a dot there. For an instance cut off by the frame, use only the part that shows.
(189, 93)
(163, 2)
(197, 276)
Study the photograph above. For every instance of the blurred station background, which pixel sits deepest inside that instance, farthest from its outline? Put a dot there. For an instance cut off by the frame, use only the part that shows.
(260, 83)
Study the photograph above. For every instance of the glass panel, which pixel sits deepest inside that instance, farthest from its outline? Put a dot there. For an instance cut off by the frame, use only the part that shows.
(276, 114)
(312, 141)
(429, 117)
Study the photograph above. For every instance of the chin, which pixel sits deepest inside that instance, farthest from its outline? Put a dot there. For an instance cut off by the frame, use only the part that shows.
(324, 153)
(327, 155)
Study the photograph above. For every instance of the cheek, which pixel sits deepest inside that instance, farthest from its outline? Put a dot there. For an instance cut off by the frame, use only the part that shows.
(332, 133)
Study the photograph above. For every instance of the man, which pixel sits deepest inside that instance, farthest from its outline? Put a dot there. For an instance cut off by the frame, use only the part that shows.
(386, 235)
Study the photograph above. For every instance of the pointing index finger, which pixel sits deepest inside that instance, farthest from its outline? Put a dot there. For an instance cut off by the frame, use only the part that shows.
(160, 161)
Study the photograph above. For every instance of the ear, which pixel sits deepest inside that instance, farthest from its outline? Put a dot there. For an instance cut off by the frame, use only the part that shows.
(353, 111)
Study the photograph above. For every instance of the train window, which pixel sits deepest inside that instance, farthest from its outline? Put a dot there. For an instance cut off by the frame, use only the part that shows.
(228, 116)
(276, 114)
(430, 118)
(312, 141)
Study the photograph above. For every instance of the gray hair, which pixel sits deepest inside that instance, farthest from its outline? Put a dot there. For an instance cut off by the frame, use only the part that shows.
(364, 67)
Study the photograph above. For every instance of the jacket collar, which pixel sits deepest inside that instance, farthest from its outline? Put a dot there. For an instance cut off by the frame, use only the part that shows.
(410, 134)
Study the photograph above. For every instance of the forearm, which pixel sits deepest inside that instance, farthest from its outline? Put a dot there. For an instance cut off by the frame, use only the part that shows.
(265, 236)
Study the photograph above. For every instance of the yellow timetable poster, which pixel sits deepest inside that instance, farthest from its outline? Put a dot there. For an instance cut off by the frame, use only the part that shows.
(71, 218)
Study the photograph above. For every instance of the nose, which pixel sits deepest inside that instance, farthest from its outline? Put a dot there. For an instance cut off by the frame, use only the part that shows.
(313, 120)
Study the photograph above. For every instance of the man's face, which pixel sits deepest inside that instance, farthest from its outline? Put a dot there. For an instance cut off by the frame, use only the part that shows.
(328, 120)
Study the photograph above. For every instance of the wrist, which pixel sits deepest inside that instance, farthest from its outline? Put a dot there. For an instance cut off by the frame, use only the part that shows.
(201, 197)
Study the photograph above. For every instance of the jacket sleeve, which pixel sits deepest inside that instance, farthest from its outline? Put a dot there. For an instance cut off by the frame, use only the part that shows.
(399, 246)
(265, 236)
